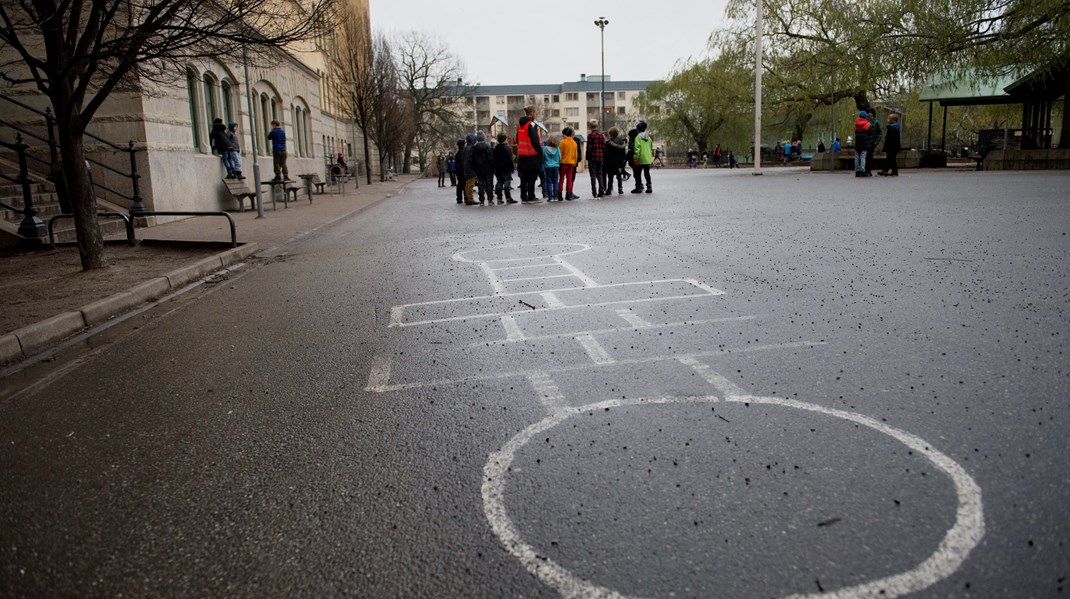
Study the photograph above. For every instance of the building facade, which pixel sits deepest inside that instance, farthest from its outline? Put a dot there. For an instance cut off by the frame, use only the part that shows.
(170, 124)
(569, 104)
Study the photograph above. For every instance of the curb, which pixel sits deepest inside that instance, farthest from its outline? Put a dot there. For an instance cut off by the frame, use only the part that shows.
(24, 342)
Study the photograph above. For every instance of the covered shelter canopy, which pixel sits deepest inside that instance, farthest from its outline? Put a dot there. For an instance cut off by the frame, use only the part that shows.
(1036, 91)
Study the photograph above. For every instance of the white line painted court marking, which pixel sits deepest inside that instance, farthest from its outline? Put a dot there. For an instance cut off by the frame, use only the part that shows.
(549, 395)
(588, 281)
(960, 539)
(577, 367)
(541, 278)
(727, 389)
(512, 330)
(552, 300)
(632, 318)
(594, 349)
(380, 372)
(638, 324)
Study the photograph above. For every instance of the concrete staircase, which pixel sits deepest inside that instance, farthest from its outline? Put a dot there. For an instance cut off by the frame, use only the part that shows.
(47, 203)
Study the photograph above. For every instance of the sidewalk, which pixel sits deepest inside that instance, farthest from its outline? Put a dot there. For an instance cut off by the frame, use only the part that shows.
(69, 301)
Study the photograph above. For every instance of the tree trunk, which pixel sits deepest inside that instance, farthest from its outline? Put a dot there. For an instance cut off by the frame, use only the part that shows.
(367, 157)
(84, 203)
(406, 164)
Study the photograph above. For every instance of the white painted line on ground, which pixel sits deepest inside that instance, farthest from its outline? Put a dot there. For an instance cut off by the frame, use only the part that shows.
(960, 540)
(539, 278)
(726, 388)
(586, 366)
(711, 290)
(636, 327)
(552, 301)
(512, 330)
(379, 375)
(547, 390)
(523, 266)
(494, 282)
(569, 247)
(632, 318)
(588, 281)
(396, 314)
(594, 349)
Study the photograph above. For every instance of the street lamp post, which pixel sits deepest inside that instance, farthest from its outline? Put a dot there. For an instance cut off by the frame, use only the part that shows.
(758, 91)
(252, 134)
(601, 22)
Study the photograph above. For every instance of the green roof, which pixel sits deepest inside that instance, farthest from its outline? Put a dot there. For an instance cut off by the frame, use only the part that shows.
(967, 88)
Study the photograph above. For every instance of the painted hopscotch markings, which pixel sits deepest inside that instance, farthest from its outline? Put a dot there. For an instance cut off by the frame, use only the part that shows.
(383, 388)
(594, 349)
(633, 319)
(544, 262)
(963, 536)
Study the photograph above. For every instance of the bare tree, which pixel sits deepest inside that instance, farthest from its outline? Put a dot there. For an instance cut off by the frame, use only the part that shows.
(390, 111)
(353, 57)
(77, 53)
(430, 77)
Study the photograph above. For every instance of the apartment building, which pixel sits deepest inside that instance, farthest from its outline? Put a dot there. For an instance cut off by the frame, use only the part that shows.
(559, 105)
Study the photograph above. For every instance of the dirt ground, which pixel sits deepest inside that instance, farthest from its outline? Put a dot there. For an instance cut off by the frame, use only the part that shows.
(35, 285)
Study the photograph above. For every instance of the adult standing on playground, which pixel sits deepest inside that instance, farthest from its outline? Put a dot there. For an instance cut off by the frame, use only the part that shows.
(644, 157)
(277, 137)
(891, 147)
(529, 154)
(596, 153)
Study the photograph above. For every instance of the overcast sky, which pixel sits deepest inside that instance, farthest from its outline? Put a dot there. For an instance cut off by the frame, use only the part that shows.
(644, 38)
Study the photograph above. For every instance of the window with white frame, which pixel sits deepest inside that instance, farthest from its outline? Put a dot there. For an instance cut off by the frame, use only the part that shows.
(194, 112)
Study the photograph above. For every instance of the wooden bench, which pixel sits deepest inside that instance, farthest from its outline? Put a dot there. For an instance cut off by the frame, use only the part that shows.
(239, 190)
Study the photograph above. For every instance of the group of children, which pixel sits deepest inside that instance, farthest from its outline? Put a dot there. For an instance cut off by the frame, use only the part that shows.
(868, 135)
(484, 170)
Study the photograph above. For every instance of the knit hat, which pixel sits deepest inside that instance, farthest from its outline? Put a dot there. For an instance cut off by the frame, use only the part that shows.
(862, 114)
(232, 124)
(460, 143)
(640, 126)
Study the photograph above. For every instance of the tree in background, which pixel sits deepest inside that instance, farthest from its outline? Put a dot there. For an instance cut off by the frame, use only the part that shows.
(391, 121)
(352, 53)
(429, 76)
(78, 53)
(699, 100)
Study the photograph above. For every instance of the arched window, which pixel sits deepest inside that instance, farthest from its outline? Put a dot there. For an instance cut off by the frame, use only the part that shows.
(195, 121)
(211, 105)
(296, 112)
(228, 101)
(265, 124)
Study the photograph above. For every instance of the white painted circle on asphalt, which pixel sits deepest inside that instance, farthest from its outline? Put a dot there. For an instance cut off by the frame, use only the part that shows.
(956, 545)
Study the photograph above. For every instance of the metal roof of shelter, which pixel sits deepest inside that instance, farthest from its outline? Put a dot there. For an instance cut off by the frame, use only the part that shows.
(968, 89)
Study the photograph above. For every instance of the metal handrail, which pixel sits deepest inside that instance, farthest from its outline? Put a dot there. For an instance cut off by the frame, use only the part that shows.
(130, 240)
(38, 112)
(230, 219)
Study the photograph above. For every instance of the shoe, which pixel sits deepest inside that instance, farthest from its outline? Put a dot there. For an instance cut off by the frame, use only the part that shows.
(620, 191)
(649, 190)
(459, 202)
(637, 190)
(500, 201)
(882, 173)
(510, 201)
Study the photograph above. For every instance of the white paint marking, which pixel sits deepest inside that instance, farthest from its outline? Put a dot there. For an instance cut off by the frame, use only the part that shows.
(522, 266)
(957, 544)
(711, 290)
(569, 248)
(542, 277)
(586, 366)
(379, 375)
(494, 282)
(547, 390)
(552, 301)
(588, 281)
(594, 349)
(725, 387)
(512, 330)
(644, 325)
(396, 314)
(632, 318)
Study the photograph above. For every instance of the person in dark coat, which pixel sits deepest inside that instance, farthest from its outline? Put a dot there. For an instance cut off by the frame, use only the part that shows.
(873, 139)
(483, 165)
(629, 157)
(469, 170)
(220, 144)
(503, 169)
(892, 145)
(613, 163)
(458, 161)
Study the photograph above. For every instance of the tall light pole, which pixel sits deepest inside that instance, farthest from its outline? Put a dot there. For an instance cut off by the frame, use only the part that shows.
(252, 134)
(758, 90)
(601, 23)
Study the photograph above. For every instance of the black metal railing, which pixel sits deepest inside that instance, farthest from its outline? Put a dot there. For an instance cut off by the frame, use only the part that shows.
(52, 167)
(31, 225)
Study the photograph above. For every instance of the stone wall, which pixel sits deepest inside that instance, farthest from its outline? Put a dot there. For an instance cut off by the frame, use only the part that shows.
(1027, 160)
